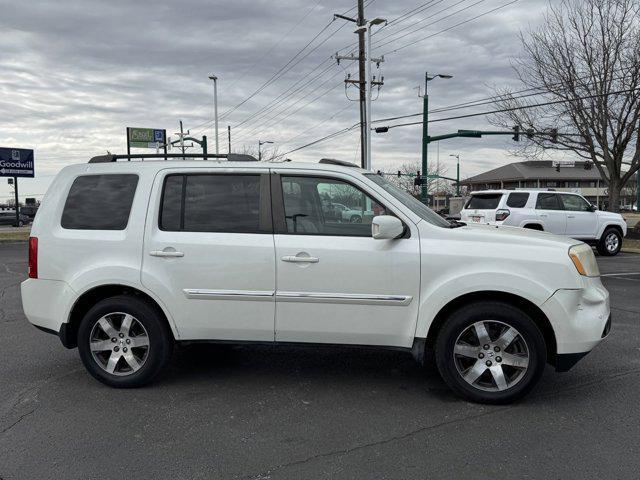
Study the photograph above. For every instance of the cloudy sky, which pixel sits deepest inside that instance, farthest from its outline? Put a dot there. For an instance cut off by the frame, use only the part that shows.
(75, 73)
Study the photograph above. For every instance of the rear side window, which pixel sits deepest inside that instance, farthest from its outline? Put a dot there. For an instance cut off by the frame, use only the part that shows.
(99, 202)
(517, 200)
(487, 201)
(548, 201)
(212, 203)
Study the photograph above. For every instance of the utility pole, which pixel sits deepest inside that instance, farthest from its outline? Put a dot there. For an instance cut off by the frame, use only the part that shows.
(365, 82)
(182, 135)
(229, 137)
(457, 157)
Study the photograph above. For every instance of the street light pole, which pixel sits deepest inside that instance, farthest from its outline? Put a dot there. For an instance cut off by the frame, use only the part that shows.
(424, 192)
(215, 106)
(457, 173)
(260, 143)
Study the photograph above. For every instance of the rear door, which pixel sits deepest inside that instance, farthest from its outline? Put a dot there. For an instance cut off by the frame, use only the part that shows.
(208, 252)
(550, 212)
(335, 283)
(481, 208)
(581, 221)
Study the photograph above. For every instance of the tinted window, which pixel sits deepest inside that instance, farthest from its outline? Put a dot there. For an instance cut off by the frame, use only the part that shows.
(314, 206)
(548, 201)
(99, 202)
(517, 200)
(487, 201)
(575, 203)
(212, 203)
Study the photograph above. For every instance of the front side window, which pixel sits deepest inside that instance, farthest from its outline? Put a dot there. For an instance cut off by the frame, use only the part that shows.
(323, 206)
(212, 203)
(548, 201)
(517, 200)
(575, 203)
(99, 202)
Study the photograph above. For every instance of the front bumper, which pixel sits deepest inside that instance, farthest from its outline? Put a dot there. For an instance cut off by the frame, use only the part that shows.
(580, 318)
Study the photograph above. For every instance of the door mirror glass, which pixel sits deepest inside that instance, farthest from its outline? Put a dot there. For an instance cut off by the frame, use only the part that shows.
(386, 227)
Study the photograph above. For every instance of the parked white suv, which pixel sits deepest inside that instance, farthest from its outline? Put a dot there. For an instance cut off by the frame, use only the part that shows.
(561, 213)
(128, 258)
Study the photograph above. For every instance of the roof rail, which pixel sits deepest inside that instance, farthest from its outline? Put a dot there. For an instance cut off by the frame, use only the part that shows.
(333, 161)
(231, 157)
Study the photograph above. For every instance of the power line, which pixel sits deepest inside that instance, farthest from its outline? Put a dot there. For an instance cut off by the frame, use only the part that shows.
(452, 26)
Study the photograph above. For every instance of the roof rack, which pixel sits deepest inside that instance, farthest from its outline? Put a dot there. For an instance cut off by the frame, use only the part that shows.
(231, 157)
(333, 161)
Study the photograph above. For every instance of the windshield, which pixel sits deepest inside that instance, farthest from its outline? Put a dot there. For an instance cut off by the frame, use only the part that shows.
(409, 201)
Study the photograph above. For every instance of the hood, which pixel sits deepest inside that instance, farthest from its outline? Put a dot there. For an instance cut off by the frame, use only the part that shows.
(609, 215)
(499, 234)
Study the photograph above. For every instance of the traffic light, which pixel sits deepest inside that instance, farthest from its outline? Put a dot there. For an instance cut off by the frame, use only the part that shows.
(399, 173)
(530, 132)
(554, 135)
(516, 133)
(588, 165)
(558, 167)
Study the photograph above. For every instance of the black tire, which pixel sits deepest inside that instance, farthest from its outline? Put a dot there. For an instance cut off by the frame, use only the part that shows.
(21, 223)
(158, 334)
(356, 219)
(496, 314)
(604, 245)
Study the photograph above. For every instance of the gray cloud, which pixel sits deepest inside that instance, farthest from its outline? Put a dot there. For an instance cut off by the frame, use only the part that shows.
(75, 73)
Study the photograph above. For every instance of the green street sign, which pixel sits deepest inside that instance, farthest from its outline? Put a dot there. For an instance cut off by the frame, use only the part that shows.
(145, 137)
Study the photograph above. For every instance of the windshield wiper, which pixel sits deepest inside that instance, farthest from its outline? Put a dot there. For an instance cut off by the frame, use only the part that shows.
(456, 224)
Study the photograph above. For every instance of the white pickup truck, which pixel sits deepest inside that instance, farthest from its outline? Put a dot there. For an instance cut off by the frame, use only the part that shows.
(561, 213)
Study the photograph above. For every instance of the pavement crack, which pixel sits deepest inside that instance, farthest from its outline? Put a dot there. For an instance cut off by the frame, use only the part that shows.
(18, 420)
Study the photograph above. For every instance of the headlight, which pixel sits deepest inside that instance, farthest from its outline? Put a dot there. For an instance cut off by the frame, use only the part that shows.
(585, 261)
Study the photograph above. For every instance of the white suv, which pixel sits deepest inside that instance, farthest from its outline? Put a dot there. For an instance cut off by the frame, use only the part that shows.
(561, 213)
(128, 258)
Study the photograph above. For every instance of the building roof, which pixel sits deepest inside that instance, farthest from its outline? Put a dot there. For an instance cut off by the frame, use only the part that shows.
(533, 170)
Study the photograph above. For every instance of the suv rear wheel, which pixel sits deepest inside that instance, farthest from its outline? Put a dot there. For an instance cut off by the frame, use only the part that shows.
(124, 342)
(490, 352)
(610, 242)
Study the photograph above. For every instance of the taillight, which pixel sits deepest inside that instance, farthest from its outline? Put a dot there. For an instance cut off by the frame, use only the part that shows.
(502, 215)
(33, 257)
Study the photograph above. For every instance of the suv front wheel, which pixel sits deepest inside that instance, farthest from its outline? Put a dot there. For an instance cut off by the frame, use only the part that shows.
(124, 342)
(610, 243)
(490, 352)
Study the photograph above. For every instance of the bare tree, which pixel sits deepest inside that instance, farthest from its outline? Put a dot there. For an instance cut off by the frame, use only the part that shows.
(406, 181)
(268, 154)
(585, 60)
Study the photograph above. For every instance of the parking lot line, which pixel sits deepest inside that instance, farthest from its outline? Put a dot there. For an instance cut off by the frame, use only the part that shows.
(617, 274)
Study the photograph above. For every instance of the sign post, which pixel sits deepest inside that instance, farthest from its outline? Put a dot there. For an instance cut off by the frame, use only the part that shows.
(16, 162)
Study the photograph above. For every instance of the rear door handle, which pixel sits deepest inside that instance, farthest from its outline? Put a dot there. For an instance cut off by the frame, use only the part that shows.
(164, 253)
(296, 259)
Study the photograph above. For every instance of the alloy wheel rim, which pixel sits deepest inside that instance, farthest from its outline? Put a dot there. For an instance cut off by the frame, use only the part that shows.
(119, 344)
(612, 242)
(491, 356)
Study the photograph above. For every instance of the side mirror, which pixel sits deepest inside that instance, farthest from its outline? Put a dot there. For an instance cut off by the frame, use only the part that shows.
(386, 227)
(592, 208)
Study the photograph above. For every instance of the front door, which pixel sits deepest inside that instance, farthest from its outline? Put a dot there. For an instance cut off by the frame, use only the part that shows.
(208, 252)
(335, 283)
(581, 220)
(550, 213)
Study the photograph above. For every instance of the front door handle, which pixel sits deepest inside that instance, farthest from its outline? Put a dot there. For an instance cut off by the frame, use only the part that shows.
(544, 215)
(165, 253)
(296, 259)
(571, 216)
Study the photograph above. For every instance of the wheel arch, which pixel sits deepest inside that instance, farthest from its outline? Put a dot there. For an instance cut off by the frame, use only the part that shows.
(533, 226)
(95, 294)
(610, 225)
(531, 309)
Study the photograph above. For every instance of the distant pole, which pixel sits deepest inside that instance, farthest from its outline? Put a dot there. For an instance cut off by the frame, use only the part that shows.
(182, 139)
(259, 151)
(367, 87)
(15, 189)
(215, 106)
(204, 145)
(229, 135)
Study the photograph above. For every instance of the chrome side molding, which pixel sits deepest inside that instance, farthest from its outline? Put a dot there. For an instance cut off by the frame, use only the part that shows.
(244, 295)
(344, 298)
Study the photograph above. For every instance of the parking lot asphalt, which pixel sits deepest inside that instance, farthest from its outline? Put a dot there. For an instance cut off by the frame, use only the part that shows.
(285, 412)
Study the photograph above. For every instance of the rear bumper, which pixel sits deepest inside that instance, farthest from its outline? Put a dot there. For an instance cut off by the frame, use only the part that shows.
(47, 303)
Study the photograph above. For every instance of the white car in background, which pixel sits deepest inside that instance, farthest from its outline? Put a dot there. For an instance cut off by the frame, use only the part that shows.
(562, 213)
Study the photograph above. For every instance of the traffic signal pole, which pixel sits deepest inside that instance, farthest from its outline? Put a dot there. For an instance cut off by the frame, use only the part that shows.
(424, 192)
